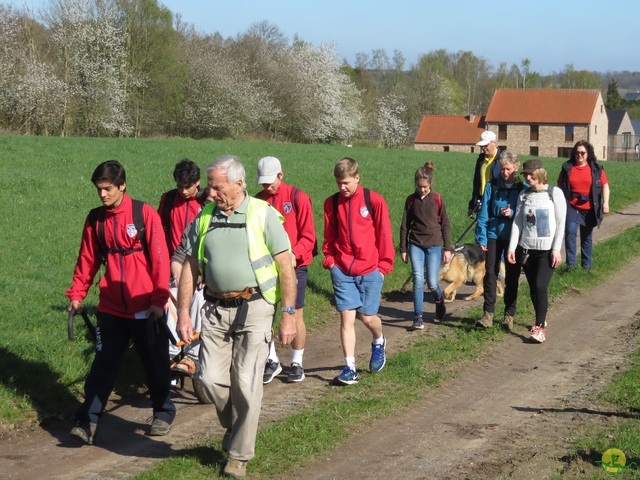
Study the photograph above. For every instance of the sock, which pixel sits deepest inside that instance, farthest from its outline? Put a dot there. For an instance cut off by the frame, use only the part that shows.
(350, 362)
(273, 356)
(297, 356)
(379, 341)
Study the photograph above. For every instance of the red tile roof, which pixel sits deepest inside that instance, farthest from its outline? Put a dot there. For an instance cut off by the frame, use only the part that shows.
(557, 106)
(449, 129)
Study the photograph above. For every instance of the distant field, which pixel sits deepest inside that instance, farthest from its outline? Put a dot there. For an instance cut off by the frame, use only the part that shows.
(45, 192)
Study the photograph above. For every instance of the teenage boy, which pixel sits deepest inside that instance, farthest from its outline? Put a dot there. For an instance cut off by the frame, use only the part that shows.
(359, 252)
(178, 208)
(125, 236)
(295, 206)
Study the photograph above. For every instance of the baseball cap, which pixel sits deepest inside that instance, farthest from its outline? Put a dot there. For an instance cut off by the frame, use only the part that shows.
(532, 165)
(486, 138)
(268, 170)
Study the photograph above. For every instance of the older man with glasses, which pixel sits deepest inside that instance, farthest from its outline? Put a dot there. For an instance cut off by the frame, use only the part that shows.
(486, 169)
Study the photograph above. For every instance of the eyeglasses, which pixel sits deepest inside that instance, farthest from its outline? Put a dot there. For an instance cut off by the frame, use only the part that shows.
(581, 152)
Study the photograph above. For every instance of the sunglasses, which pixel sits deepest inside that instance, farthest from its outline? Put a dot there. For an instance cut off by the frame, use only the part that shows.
(581, 152)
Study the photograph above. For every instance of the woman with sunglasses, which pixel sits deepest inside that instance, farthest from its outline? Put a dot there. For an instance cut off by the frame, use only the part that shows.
(586, 188)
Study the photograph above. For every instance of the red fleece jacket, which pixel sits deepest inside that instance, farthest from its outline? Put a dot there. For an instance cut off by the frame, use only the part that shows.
(133, 282)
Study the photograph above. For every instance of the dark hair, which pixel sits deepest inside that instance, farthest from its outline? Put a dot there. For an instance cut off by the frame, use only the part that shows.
(186, 172)
(425, 173)
(591, 154)
(110, 171)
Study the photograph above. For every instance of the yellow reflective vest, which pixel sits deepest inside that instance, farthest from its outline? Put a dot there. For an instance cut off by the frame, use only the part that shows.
(264, 266)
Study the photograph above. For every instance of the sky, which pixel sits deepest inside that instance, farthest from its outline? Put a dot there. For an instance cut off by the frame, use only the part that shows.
(602, 36)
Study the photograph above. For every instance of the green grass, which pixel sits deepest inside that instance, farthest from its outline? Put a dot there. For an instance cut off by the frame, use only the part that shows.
(46, 192)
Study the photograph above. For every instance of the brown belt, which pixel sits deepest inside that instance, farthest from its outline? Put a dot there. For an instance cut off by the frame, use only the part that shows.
(247, 293)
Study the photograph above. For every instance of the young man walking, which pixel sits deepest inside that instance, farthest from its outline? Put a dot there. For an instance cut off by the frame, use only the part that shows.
(295, 206)
(126, 236)
(359, 252)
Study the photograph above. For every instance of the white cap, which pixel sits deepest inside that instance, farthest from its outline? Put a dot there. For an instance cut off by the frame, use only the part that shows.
(486, 138)
(268, 170)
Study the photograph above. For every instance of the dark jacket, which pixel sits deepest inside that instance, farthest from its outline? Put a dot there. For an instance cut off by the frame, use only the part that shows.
(476, 196)
(423, 225)
(596, 186)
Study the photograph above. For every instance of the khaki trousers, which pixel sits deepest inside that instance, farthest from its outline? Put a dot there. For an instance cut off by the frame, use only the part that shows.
(232, 360)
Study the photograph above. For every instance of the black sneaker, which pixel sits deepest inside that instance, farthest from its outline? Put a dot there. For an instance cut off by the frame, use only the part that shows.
(418, 323)
(296, 373)
(441, 309)
(271, 369)
(84, 432)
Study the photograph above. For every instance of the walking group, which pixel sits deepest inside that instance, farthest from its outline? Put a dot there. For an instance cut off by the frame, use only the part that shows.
(217, 263)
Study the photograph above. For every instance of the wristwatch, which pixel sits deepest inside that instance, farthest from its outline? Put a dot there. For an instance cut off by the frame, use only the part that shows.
(289, 310)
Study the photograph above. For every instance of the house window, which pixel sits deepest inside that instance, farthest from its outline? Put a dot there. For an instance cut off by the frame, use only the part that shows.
(564, 152)
(626, 140)
(596, 129)
(533, 133)
(473, 149)
(533, 151)
(568, 133)
(445, 148)
(502, 132)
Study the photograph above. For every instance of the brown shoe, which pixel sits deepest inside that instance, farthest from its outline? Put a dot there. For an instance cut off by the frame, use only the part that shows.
(235, 468)
(486, 321)
(507, 322)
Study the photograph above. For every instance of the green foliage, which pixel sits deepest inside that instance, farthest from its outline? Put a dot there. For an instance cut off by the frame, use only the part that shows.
(613, 100)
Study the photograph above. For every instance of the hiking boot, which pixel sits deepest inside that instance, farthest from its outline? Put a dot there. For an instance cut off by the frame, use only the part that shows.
(226, 440)
(296, 373)
(570, 267)
(271, 369)
(159, 428)
(441, 309)
(486, 321)
(507, 322)
(418, 324)
(378, 358)
(538, 334)
(348, 376)
(235, 468)
(84, 432)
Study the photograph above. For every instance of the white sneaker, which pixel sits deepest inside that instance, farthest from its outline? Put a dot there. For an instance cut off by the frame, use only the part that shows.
(538, 334)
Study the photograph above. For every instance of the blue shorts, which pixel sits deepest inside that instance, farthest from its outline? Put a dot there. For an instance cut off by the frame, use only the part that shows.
(360, 292)
(301, 277)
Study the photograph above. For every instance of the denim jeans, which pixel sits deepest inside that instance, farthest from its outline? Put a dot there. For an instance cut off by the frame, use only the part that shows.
(421, 257)
(586, 243)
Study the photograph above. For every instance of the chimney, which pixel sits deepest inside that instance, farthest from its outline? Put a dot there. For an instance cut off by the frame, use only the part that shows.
(472, 117)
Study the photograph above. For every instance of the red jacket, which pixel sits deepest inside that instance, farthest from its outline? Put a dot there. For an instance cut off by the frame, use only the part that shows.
(181, 213)
(129, 285)
(357, 243)
(298, 220)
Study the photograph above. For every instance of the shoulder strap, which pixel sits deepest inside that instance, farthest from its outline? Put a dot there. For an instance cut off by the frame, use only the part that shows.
(96, 218)
(169, 198)
(294, 198)
(438, 198)
(367, 202)
(138, 221)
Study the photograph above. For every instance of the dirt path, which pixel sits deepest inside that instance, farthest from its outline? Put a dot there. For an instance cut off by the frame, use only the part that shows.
(502, 415)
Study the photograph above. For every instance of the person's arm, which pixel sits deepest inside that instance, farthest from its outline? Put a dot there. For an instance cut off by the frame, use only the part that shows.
(384, 236)
(560, 210)
(184, 325)
(330, 234)
(475, 192)
(483, 218)
(404, 232)
(158, 256)
(87, 266)
(287, 328)
(605, 198)
(303, 247)
(515, 230)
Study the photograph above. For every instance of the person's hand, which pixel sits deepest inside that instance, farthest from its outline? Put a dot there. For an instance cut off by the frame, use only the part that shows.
(75, 305)
(556, 258)
(403, 257)
(156, 311)
(605, 208)
(447, 256)
(287, 329)
(184, 328)
(483, 248)
(506, 211)
(470, 213)
(511, 257)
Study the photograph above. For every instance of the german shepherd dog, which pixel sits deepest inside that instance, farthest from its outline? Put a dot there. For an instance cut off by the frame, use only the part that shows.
(466, 265)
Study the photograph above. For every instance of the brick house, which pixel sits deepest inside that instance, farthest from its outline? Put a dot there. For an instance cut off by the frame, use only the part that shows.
(548, 122)
(449, 133)
(622, 135)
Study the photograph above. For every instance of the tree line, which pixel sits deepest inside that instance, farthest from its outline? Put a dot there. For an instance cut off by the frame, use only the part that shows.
(133, 68)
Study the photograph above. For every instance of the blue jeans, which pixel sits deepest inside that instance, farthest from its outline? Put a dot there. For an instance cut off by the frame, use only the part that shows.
(586, 243)
(421, 257)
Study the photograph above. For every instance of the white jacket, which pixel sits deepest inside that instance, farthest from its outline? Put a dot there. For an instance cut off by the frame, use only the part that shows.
(539, 222)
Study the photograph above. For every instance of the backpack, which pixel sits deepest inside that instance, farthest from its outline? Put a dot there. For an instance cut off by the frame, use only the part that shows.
(96, 218)
(549, 191)
(436, 196)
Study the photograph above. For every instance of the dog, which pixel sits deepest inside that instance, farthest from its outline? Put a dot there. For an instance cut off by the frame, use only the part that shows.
(467, 265)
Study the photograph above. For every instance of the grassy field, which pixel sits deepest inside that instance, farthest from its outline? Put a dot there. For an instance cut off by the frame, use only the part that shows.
(46, 192)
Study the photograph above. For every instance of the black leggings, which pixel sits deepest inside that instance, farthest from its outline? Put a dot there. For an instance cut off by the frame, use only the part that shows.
(538, 271)
(495, 250)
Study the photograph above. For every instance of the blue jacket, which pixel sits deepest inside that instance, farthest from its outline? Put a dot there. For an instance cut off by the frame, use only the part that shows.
(492, 224)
